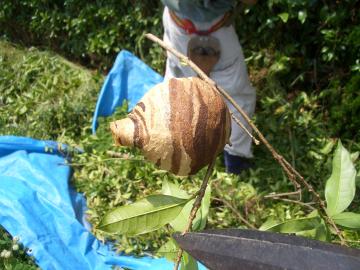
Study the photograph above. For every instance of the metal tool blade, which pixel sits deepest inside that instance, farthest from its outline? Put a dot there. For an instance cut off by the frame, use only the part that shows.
(254, 250)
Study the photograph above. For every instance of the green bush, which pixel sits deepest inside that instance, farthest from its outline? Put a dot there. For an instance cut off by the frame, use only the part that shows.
(44, 95)
(89, 32)
(311, 46)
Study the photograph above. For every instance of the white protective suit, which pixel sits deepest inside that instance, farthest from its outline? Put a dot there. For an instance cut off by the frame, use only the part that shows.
(230, 73)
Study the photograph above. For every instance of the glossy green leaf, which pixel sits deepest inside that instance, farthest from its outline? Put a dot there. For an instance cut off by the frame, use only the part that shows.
(169, 250)
(284, 16)
(146, 215)
(340, 187)
(188, 262)
(347, 219)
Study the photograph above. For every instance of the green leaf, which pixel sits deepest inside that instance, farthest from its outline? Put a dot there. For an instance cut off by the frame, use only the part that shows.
(313, 227)
(180, 222)
(146, 215)
(284, 16)
(172, 189)
(340, 187)
(320, 233)
(293, 225)
(268, 224)
(188, 262)
(302, 15)
(169, 250)
(347, 219)
(205, 205)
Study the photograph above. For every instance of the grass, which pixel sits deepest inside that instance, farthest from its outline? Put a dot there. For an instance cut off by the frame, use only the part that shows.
(47, 97)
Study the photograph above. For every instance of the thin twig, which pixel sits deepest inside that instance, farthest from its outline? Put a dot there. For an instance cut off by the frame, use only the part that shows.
(289, 170)
(308, 205)
(196, 206)
(277, 195)
(256, 141)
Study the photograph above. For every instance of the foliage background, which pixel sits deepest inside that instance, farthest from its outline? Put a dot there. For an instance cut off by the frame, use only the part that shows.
(303, 58)
(311, 46)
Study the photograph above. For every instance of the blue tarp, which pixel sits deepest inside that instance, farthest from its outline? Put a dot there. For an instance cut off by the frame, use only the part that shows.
(129, 79)
(38, 205)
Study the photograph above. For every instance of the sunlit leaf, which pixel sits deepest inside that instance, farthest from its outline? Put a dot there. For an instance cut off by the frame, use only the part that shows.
(146, 215)
(284, 16)
(340, 187)
(347, 219)
(302, 15)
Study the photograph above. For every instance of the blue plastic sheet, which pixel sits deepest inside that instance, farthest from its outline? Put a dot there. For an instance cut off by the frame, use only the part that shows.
(38, 206)
(129, 79)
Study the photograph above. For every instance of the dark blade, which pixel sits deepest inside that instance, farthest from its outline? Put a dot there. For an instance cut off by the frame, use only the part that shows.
(253, 250)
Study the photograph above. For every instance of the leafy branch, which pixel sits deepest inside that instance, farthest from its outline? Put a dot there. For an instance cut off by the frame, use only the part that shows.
(292, 174)
(173, 206)
(339, 192)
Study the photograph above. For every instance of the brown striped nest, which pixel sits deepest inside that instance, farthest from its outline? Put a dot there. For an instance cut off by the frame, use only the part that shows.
(180, 125)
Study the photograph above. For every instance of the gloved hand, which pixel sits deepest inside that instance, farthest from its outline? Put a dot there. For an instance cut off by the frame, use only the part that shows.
(236, 164)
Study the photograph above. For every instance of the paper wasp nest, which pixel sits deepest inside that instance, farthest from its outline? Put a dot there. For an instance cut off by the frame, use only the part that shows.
(179, 125)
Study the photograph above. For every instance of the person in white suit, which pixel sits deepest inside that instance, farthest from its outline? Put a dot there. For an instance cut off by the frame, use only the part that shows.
(203, 30)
